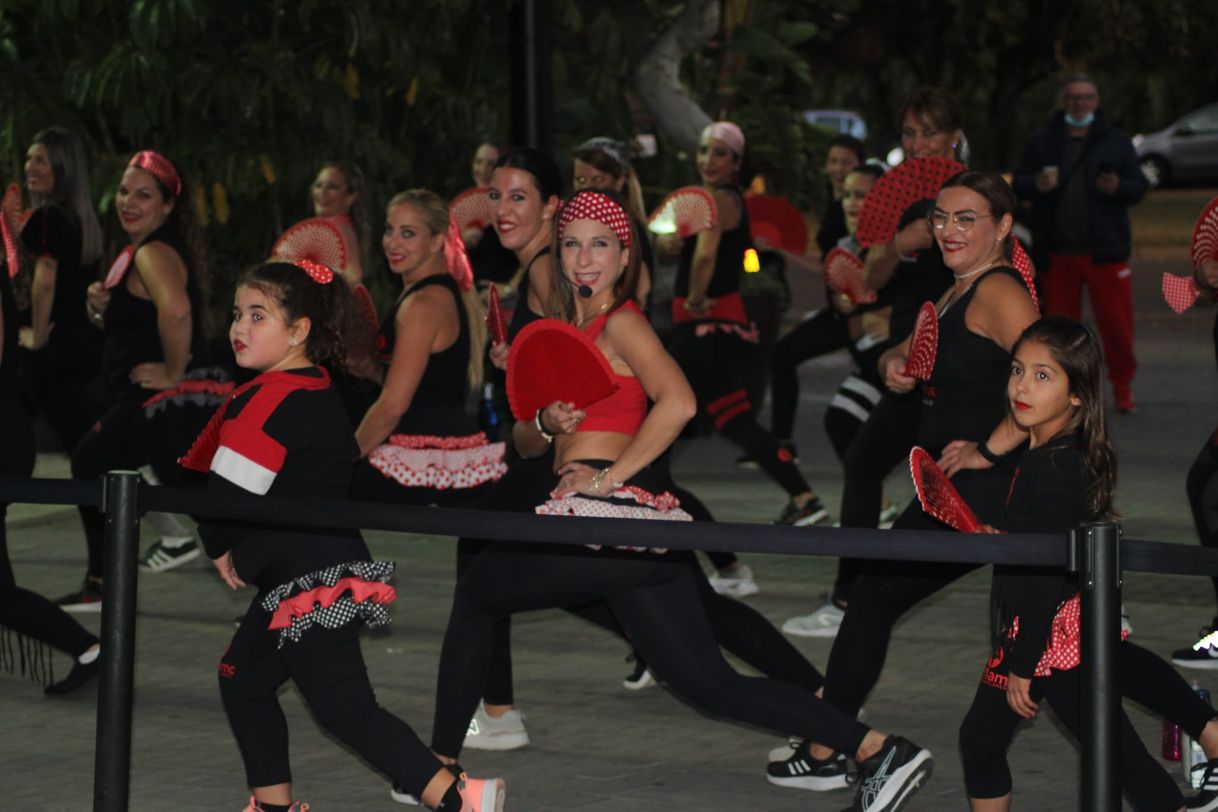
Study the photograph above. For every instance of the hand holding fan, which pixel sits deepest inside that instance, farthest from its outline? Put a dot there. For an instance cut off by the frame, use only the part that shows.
(473, 208)
(1021, 262)
(685, 212)
(551, 360)
(844, 274)
(1205, 234)
(494, 316)
(924, 343)
(938, 495)
(779, 223)
(1179, 292)
(315, 239)
(910, 182)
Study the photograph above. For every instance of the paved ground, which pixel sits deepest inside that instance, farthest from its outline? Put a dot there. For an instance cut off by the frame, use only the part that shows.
(596, 746)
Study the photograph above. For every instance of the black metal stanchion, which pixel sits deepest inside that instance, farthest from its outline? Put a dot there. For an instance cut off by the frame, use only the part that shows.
(1098, 555)
(112, 757)
(532, 80)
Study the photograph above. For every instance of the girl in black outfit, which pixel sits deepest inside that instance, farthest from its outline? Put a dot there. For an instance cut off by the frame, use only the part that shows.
(62, 355)
(419, 445)
(1067, 477)
(285, 433)
(32, 617)
(604, 471)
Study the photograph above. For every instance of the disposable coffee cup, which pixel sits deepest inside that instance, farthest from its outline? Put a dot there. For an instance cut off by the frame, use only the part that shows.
(1050, 172)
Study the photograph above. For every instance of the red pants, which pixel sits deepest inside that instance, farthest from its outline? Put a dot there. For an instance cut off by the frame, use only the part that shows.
(1111, 289)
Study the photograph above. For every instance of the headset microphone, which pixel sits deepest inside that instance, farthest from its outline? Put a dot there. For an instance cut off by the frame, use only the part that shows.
(584, 291)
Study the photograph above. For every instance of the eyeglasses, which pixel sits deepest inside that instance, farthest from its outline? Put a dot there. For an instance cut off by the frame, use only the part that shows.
(963, 221)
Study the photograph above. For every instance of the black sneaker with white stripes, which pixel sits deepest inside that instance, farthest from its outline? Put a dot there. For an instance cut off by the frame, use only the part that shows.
(804, 772)
(892, 776)
(1206, 798)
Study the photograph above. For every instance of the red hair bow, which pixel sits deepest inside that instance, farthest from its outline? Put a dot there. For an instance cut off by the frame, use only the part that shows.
(320, 274)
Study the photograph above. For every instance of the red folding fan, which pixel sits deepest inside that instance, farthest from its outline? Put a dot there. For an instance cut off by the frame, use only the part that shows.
(1180, 292)
(551, 360)
(473, 208)
(118, 268)
(1021, 262)
(11, 204)
(366, 307)
(779, 223)
(938, 495)
(316, 239)
(844, 274)
(685, 212)
(494, 316)
(914, 180)
(1205, 234)
(924, 343)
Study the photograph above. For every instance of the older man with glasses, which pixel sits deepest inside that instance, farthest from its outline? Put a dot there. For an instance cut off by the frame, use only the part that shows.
(1081, 175)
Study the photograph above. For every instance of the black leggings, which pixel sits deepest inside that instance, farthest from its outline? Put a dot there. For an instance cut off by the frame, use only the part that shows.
(990, 724)
(1202, 486)
(655, 599)
(887, 589)
(25, 612)
(823, 333)
(328, 668)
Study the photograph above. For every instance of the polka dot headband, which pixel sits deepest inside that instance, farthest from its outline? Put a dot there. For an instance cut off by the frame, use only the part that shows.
(728, 133)
(596, 206)
(160, 167)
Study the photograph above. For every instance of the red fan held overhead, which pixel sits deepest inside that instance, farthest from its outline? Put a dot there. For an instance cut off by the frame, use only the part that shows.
(938, 495)
(494, 316)
(473, 208)
(912, 181)
(316, 239)
(685, 212)
(775, 220)
(551, 360)
(924, 343)
(844, 274)
(1021, 262)
(1205, 234)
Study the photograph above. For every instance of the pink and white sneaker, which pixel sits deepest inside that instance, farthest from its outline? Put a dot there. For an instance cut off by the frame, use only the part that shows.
(481, 794)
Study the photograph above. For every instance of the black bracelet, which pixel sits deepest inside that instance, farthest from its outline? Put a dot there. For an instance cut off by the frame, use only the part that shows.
(986, 454)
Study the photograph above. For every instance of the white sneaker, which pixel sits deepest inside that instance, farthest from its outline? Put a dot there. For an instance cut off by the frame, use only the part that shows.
(504, 732)
(888, 515)
(824, 622)
(737, 583)
(403, 796)
(1126, 626)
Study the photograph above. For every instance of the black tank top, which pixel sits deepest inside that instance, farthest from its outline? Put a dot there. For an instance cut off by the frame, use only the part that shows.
(729, 259)
(131, 329)
(8, 352)
(965, 397)
(54, 231)
(445, 383)
(522, 316)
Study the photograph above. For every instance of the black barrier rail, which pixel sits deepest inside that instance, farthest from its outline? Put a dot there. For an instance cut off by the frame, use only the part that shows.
(1097, 552)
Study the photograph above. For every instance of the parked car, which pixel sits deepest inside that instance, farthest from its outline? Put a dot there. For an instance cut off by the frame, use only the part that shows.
(1184, 152)
(846, 122)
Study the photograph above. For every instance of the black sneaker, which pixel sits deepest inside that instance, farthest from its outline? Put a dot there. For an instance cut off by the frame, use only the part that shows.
(813, 512)
(640, 677)
(80, 674)
(403, 796)
(749, 463)
(891, 777)
(86, 599)
(1206, 798)
(1203, 654)
(804, 772)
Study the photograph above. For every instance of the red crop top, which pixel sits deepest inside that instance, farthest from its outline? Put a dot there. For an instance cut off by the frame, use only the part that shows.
(624, 410)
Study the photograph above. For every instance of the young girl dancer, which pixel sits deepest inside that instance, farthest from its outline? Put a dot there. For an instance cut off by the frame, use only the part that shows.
(1065, 478)
(286, 434)
(601, 460)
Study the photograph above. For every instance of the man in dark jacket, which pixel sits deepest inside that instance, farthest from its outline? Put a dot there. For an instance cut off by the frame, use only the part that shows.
(1081, 173)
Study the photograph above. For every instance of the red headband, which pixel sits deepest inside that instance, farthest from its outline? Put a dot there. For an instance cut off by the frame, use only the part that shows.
(588, 205)
(455, 257)
(160, 167)
(320, 274)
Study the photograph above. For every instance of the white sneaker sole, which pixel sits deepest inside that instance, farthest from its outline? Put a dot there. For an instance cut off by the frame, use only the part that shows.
(811, 782)
(83, 608)
(1210, 664)
(403, 797)
(800, 630)
(494, 795)
(812, 518)
(644, 681)
(163, 562)
(503, 741)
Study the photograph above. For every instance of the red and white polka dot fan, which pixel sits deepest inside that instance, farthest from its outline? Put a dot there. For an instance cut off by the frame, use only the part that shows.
(924, 344)
(844, 274)
(316, 239)
(938, 495)
(1181, 292)
(914, 180)
(551, 360)
(1021, 262)
(473, 208)
(684, 212)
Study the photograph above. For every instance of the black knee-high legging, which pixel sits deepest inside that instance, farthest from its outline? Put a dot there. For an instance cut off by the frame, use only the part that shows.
(328, 668)
(1202, 487)
(656, 601)
(885, 590)
(990, 725)
(21, 610)
(823, 333)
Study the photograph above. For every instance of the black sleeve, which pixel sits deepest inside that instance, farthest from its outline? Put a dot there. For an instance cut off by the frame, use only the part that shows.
(50, 233)
(219, 535)
(1048, 497)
